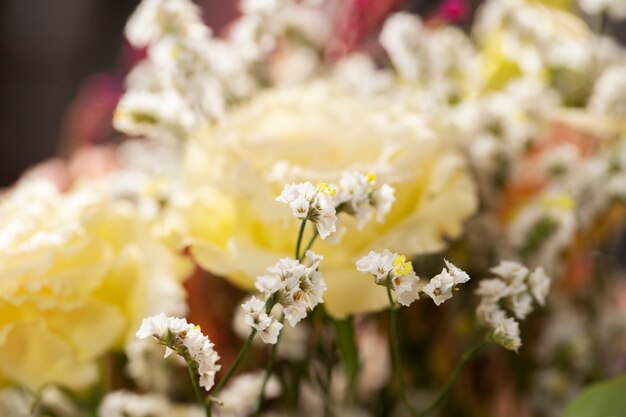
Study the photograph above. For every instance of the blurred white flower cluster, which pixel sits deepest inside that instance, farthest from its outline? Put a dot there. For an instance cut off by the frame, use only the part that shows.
(515, 289)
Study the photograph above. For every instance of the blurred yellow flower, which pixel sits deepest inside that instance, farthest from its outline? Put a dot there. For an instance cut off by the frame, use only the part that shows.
(234, 171)
(77, 274)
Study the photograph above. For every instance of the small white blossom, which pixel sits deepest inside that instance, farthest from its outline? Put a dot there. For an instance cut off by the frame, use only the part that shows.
(293, 344)
(129, 404)
(506, 331)
(539, 283)
(441, 286)
(312, 203)
(379, 264)
(154, 20)
(241, 395)
(185, 339)
(513, 289)
(358, 195)
(256, 317)
(297, 287)
(492, 289)
(393, 271)
(155, 115)
(521, 305)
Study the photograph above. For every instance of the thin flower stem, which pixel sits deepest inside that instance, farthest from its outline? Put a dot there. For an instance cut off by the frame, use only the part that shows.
(454, 375)
(268, 370)
(193, 374)
(236, 363)
(309, 245)
(396, 354)
(300, 235)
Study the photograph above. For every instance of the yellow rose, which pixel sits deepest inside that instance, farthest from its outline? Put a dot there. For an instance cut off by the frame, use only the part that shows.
(77, 275)
(234, 171)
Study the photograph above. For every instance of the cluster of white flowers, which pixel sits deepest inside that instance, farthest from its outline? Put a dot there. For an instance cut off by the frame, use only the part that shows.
(129, 404)
(173, 91)
(392, 271)
(441, 286)
(357, 194)
(312, 203)
(295, 286)
(534, 36)
(441, 60)
(513, 289)
(190, 77)
(294, 340)
(240, 397)
(185, 339)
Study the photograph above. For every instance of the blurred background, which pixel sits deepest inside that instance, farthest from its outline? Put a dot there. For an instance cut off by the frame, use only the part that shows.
(63, 65)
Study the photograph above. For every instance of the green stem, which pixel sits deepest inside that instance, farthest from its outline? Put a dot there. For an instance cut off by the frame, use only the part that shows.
(346, 342)
(309, 245)
(396, 353)
(465, 357)
(300, 235)
(193, 374)
(268, 370)
(236, 363)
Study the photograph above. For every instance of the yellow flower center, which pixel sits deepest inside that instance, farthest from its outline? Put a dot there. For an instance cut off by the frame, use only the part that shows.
(326, 189)
(401, 267)
(371, 177)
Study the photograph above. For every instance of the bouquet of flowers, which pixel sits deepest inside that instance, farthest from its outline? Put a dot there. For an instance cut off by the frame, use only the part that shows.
(335, 208)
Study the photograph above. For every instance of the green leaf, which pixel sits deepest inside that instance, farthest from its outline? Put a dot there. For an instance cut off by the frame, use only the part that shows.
(603, 399)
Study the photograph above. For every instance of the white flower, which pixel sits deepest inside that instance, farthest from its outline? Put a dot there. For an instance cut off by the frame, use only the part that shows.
(521, 305)
(185, 339)
(510, 271)
(157, 115)
(312, 203)
(441, 287)
(506, 332)
(293, 344)
(400, 37)
(155, 19)
(393, 271)
(492, 289)
(358, 195)
(459, 276)
(297, 287)
(377, 264)
(129, 404)
(256, 317)
(539, 283)
(240, 397)
(514, 289)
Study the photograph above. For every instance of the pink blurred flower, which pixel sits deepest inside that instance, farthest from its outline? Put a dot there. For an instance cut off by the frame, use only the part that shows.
(453, 11)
